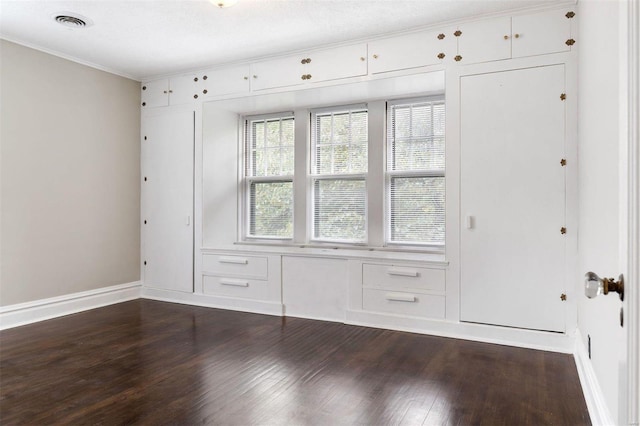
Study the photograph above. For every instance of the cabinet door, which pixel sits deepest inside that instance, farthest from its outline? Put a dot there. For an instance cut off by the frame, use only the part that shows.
(277, 73)
(484, 41)
(512, 255)
(225, 81)
(341, 62)
(168, 200)
(183, 89)
(410, 51)
(540, 33)
(155, 93)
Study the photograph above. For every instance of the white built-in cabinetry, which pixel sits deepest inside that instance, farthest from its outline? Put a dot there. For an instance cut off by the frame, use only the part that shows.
(169, 91)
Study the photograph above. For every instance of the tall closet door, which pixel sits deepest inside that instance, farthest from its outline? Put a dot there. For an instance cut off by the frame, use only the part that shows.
(513, 198)
(168, 149)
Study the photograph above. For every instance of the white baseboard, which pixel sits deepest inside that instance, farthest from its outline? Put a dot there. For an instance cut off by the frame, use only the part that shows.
(540, 340)
(44, 309)
(596, 404)
(208, 301)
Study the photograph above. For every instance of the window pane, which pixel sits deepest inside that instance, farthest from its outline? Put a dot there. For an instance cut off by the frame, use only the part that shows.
(271, 209)
(270, 147)
(339, 210)
(417, 210)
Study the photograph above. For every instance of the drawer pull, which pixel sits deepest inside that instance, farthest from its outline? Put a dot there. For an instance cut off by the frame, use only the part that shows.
(400, 297)
(236, 260)
(234, 283)
(402, 272)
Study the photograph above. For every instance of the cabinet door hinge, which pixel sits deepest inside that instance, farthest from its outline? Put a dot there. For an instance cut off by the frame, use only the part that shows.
(563, 162)
(563, 96)
(570, 42)
(563, 230)
(570, 14)
(458, 33)
(563, 297)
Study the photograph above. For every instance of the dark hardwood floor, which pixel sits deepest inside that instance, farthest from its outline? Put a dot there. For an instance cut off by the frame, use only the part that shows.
(147, 362)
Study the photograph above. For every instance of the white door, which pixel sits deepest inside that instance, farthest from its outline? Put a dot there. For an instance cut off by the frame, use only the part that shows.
(513, 198)
(168, 148)
(540, 33)
(183, 89)
(155, 93)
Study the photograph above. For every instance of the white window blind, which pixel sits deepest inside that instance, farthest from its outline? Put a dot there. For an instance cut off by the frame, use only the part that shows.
(269, 176)
(339, 145)
(416, 172)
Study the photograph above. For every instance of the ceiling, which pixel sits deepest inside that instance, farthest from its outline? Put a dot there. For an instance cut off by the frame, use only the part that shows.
(145, 38)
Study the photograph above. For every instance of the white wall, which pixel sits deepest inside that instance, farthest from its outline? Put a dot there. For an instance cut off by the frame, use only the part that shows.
(70, 147)
(600, 204)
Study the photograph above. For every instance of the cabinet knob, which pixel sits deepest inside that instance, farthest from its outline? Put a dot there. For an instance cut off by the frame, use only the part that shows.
(441, 36)
(570, 42)
(255, 76)
(170, 91)
(458, 58)
(506, 37)
(304, 61)
(246, 78)
(570, 15)
(165, 91)
(308, 76)
(516, 35)
(375, 56)
(144, 104)
(308, 60)
(362, 58)
(441, 55)
(304, 76)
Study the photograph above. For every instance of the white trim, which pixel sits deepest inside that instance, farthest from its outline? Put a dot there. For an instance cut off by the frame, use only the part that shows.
(70, 58)
(596, 404)
(531, 339)
(44, 309)
(218, 302)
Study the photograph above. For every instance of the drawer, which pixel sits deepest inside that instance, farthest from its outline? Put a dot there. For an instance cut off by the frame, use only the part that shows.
(402, 277)
(403, 303)
(235, 265)
(235, 287)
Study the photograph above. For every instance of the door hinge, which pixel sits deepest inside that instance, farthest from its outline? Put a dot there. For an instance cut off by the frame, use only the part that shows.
(458, 33)
(570, 14)
(563, 297)
(563, 162)
(563, 230)
(570, 42)
(145, 262)
(563, 96)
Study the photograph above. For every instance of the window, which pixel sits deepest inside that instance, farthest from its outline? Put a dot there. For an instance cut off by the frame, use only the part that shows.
(269, 164)
(339, 144)
(416, 172)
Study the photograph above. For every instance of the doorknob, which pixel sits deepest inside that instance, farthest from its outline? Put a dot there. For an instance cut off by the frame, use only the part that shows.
(594, 285)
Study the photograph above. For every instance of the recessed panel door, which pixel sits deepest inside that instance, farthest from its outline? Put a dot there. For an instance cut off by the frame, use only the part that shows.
(168, 201)
(513, 198)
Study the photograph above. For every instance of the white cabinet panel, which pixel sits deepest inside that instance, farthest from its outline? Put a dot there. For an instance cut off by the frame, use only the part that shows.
(540, 33)
(168, 200)
(403, 303)
(410, 50)
(182, 89)
(277, 73)
(403, 277)
(225, 81)
(235, 265)
(340, 62)
(235, 287)
(155, 93)
(483, 41)
(512, 255)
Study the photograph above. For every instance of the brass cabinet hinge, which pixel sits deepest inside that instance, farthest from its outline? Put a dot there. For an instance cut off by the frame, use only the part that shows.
(144, 87)
(458, 33)
(144, 104)
(563, 230)
(570, 42)
(440, 55)
(563, 297)
(441, 36)
(563, 162)
(145, 262)
(458, 58)
(563, 96)
(570, 14)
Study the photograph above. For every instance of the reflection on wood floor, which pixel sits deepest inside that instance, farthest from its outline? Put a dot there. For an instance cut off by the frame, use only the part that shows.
(147, 362)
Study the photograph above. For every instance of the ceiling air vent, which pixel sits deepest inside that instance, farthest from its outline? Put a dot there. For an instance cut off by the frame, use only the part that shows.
(72, 20)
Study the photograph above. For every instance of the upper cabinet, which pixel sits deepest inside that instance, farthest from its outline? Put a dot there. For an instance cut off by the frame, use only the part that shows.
(169, 91)
(277, 73)
(411, 51)
(514, 37)
(225, 81)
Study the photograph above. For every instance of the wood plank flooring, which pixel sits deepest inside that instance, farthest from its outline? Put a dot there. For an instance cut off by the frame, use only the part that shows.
(147, 362)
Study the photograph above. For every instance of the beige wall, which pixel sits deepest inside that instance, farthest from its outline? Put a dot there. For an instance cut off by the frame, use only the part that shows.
(70, 177)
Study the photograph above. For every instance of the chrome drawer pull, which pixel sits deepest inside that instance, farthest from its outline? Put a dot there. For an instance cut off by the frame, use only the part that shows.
(400, 297)
(234, 283)
(236, 260)
(402, 272)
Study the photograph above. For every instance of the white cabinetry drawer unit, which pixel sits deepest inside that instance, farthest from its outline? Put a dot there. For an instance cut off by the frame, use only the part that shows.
(403, 290)
(239, 276)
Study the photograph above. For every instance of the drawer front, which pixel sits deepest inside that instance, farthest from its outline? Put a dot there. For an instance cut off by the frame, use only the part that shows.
(235, 265)
(402, 277)
(403, 303)
(235, 287)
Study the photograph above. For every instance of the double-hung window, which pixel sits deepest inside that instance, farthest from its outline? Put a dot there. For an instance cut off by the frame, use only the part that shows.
(269, 164)
(415, 176)
(339, 144)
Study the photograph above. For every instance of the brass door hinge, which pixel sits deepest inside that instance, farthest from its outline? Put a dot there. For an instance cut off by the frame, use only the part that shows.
(440, 55)
(563, 230)
(570, 14)
(563, 297)
(563, 96)
(563, 162)
(570, 42)
(458, 58)
(458, 33)
(440, 36)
